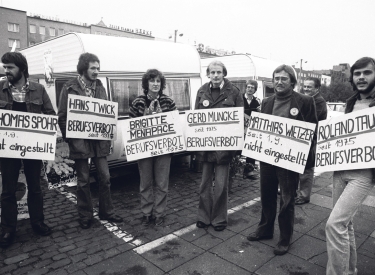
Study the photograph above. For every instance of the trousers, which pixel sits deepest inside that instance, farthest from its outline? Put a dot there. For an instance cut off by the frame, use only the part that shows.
(10, 169)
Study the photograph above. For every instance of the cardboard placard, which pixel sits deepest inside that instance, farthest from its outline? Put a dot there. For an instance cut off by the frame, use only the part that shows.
(279, 141)
(27, 135)
(153, 135)
(219, 129)
(91, 118)
(346, 142)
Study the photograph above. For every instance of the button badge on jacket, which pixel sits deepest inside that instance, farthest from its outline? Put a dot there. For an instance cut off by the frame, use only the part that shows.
(206, 103)
(294, 111)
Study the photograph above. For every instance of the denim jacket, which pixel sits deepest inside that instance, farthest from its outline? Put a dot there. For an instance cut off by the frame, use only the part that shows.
(81, 148)
(37, 99)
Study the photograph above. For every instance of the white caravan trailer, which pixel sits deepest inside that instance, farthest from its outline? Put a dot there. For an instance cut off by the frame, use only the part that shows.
(123, 61)
(242, 67)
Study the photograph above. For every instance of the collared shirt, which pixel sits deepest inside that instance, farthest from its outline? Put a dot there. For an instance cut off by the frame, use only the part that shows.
(19, 95)
(90, 90)
(248, 99)
(221, 85)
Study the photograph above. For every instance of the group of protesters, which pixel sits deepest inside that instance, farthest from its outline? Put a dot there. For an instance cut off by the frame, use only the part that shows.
(350, 187)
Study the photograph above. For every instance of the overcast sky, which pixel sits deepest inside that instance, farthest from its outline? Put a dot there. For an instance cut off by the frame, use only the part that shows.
(322, 32)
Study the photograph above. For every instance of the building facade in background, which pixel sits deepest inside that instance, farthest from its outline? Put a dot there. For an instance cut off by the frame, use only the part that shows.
(26, 29)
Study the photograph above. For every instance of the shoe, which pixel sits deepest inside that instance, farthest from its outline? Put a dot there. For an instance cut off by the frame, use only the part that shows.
(6, 239)
(255, 237)
(85, 224)
(159, 221)
(281, 249)
(300, 201)
(146, 220)
(219, 227)
(201, 224)
(113, 218)
(42, 229)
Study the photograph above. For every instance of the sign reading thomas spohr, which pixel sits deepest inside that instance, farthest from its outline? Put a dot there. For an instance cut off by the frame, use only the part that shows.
(279, 141)
(91, 118)
(27, 135)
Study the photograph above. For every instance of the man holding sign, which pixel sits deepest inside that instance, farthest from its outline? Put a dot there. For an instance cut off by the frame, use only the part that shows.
(290, 104)
(213, 204)
(350, 187)
(17, 93)
(80, 150)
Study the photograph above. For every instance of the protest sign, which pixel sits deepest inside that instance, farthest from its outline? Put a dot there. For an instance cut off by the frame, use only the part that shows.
(215, 129)
(279, 141)
(27, 135)
(153, 135)
(91, 118)
(346, 142)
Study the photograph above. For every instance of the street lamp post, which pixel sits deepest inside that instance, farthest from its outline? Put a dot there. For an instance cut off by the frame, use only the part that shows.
(300, 74)
(175, 35)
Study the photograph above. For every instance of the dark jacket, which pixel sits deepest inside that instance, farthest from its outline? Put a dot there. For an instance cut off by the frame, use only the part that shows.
(37, 99)
(350, 102)
(230, 96)
(254, 104)
(321, 106)
(81, 148)
(306, 112)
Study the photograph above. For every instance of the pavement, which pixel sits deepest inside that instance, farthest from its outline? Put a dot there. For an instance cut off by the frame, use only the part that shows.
(178, 247)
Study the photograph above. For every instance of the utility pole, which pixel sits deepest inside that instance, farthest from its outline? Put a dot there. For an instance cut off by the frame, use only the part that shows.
(175, 35)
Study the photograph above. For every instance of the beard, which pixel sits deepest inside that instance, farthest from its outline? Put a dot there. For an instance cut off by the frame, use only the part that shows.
(370, 87)
(14, 78)
(88, 77)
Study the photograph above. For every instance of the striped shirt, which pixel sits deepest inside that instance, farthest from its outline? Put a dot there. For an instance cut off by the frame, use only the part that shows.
(139, 105)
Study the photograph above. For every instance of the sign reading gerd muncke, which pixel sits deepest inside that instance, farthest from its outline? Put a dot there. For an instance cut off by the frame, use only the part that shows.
(279, 141)
(153, 135)
(346, 142)
(27, 135)
(91, 118)
(215, 129)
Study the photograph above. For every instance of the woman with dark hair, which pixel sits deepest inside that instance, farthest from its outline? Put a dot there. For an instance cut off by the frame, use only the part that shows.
(155, 169)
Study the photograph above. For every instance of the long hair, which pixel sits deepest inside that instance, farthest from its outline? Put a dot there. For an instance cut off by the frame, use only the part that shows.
(17, 59)
(84, 60)
(150, 74)
(359, 64)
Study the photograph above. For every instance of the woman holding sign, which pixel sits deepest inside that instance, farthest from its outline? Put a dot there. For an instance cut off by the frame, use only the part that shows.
(155, 169)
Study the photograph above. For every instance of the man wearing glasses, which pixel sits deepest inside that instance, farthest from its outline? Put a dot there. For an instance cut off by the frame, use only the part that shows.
(290, 104)
(251, 104)
(311, 86)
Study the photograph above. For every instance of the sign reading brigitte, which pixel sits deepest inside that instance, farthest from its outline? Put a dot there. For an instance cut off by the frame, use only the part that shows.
(215, 129)
(279, 141)
(153, 135)
(27, 135)
(91, 118)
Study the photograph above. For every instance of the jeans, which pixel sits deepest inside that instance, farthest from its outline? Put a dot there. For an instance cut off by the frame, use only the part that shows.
(306, 181)
(270, 177)
(350, 189)
(213, 201)
(10, 168)
(152, 171)
(84, 203)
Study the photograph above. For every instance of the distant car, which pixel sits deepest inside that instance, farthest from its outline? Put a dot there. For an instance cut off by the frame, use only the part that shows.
(335, 109)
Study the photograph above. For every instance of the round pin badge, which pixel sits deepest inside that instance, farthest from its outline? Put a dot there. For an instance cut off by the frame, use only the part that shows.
(294, 111)
(206, 103)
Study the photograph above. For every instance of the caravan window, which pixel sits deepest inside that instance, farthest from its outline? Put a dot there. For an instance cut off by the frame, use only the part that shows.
(124, 91)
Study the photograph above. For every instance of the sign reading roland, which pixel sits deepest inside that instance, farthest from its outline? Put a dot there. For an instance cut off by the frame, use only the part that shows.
(346, 142)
